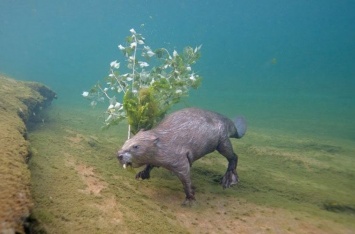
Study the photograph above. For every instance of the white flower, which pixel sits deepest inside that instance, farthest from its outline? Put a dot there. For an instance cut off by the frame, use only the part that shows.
(133, 44)
(129, 78)
(85, 94)
(117, 105)
(121, 47)
(111, 75)
(143, 64)
(110, 106)
(141, 42)
(188, 68)
(178, 91)
(175, 53)
(105, 89)
(115, 64)
(197, 48)
(192, 77)
(132, 31)
(134, 91)
(150, 53)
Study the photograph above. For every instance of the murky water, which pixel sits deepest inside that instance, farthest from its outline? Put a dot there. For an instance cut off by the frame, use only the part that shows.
(286, 66)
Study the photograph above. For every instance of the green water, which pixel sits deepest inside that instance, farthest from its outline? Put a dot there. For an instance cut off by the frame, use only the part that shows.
(286, 67)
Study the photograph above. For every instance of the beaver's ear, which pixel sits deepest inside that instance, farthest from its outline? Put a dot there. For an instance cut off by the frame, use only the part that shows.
(154, 139)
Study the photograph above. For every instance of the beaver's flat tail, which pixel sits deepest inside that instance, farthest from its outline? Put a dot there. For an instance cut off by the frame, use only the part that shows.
(241, 125)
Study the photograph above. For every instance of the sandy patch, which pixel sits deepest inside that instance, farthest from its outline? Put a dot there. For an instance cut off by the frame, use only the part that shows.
(94, 185)
(107, 205)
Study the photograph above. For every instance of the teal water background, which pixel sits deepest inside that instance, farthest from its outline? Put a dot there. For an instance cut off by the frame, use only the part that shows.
(287, 66)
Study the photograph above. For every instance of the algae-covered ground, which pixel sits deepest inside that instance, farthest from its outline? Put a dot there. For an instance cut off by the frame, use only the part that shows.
(20, 103)
(288, 185)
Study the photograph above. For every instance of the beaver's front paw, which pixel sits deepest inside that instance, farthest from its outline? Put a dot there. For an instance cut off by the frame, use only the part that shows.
(229, 179)
(145, 174)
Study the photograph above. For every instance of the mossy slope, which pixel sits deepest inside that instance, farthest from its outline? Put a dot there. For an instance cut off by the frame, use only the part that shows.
(19, 102)
(286, 183)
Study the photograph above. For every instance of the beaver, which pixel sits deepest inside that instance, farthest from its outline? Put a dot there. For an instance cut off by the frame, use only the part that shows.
(180, 139)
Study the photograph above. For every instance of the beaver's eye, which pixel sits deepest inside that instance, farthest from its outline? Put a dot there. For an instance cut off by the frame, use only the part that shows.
(136, 147)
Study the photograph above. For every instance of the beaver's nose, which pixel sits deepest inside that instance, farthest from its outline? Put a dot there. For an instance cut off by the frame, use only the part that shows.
(120, 155)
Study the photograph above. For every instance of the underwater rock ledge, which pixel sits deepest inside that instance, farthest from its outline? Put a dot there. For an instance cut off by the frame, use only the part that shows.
(18, 101)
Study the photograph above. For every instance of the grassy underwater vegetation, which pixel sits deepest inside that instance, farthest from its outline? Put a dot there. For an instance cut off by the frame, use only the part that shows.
(288, 184)
(147, 93)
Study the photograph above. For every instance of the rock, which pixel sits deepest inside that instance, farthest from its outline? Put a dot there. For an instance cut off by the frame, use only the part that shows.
(18, 101)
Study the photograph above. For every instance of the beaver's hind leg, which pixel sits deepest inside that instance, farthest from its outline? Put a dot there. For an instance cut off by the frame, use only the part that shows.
(231, 176)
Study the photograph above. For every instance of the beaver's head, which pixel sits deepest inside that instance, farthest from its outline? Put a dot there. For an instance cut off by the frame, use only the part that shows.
(138, 150)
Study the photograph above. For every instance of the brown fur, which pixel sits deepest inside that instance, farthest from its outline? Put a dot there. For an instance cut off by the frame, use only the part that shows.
(179, 140)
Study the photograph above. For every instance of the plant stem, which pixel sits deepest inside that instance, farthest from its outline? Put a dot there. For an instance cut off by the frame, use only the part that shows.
(133, 70)
(134, 60)
(129, 132)
(118, 82)
(104, 92)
